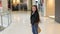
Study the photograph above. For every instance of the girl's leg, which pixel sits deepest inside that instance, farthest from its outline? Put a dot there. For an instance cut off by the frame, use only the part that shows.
(35, 29)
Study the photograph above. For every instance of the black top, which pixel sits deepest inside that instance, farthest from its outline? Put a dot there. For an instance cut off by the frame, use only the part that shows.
(34, 18)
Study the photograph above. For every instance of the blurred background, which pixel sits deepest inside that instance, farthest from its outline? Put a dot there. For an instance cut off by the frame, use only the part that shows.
(15, 16)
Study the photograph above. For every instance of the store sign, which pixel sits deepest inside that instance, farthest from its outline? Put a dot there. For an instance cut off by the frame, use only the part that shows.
(0, 5)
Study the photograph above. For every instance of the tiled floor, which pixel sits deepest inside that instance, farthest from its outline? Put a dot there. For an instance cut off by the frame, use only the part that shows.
(21, 25)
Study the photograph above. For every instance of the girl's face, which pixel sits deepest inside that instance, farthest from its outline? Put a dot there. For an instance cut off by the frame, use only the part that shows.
(33, 9)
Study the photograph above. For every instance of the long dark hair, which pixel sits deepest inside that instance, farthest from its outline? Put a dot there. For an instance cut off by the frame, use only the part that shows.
(38, 19)
(36, 9)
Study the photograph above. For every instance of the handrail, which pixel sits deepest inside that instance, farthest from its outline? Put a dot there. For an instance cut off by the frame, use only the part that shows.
(4, 13)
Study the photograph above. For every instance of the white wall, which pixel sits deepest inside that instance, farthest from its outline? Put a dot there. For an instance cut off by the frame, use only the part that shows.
(5, 5)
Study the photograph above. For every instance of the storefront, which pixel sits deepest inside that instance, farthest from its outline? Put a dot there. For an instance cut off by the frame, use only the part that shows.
(19, 5)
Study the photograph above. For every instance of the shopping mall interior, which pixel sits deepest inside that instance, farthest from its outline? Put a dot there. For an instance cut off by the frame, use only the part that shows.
(15, 16)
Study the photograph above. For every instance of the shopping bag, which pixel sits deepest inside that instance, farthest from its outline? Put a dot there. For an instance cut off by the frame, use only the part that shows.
(39, 30)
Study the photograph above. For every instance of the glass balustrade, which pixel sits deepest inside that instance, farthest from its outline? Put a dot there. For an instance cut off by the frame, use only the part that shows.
(5, 19)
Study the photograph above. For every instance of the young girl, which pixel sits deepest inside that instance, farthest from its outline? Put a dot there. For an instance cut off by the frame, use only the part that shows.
(34, 19)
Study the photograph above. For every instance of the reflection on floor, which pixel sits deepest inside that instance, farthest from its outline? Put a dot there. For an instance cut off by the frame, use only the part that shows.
(21, 25)
(2, 28)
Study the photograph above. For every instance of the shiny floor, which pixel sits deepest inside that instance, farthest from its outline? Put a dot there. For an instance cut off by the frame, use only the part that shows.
(21, 24)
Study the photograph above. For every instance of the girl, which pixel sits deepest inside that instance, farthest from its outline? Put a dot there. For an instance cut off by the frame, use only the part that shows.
(34, 19)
